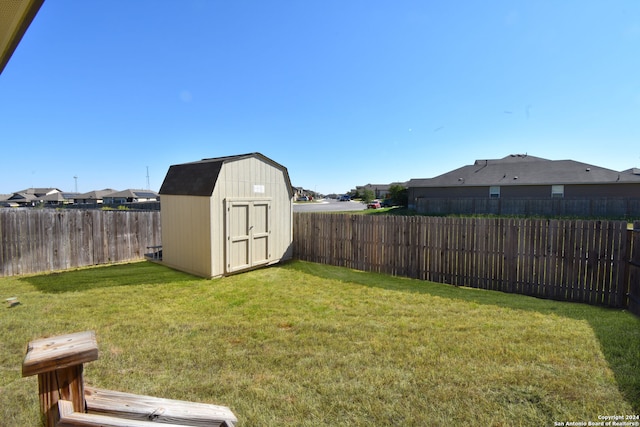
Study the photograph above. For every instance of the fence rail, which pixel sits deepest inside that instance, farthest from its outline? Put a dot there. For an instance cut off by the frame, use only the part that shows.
(569, 260)
(40, 240)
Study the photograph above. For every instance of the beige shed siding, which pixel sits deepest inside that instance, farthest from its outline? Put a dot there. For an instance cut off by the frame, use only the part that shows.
(186, 233)
(249, 179)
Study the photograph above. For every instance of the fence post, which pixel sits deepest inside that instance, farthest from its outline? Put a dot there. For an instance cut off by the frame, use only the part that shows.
(633, 268)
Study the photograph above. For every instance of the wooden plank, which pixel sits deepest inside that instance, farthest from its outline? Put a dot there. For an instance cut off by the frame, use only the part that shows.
(493, 269)
(541, 232)
(510, 254)
(68, 417)
(482, 254)
(413, 248)
(48, 354)
(158, 410)
(446, 251)
(466, 251)
(565, 240)
(422, 242)
(502, 279)
(589, 263)
(569, 252)
(432, 250)
(618, 257)
(457, 268)
(526, 257)
(552, 270)
(633, 269)
(605, 284)
(405, 242)
(590, 277)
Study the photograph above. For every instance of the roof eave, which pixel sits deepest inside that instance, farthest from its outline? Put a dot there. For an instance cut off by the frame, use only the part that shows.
(15, 24)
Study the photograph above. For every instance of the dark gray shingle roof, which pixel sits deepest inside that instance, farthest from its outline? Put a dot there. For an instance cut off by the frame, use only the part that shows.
(526, 170)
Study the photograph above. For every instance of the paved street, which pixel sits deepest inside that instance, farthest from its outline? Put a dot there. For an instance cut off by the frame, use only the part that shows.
(328, 205)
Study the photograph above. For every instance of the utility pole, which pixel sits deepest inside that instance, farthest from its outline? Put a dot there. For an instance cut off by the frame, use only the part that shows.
(148, 186)
(75, 177)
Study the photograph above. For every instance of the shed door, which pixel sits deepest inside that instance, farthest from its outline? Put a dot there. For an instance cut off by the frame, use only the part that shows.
(247, 234)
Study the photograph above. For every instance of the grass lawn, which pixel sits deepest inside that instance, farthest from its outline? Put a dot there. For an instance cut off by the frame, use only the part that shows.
(303, 344)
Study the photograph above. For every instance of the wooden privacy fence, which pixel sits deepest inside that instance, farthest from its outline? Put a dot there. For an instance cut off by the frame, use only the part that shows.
(569, 260)
(39, 240)
(596, 262)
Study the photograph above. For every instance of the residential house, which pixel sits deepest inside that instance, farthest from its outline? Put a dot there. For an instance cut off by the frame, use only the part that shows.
(30, 196)
(130, 196)
(95, 197)
(524, 184)
(5, 203)
(380, 191)
(58, 198)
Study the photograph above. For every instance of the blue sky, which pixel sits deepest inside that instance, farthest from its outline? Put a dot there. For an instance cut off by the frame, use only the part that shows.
(342, 93)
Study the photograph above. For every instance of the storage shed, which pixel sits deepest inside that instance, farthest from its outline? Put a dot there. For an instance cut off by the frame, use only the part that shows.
(226, 214)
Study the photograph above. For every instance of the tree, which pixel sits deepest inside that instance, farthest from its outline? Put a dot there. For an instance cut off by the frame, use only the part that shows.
(399, 195)
(367, 195)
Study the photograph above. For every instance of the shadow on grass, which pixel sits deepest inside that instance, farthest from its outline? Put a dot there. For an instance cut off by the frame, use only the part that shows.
(137, 273)
(617, 331)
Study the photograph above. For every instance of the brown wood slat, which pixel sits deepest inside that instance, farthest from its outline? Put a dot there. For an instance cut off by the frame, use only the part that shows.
(159, 410)
(68, 417)
(633, 269)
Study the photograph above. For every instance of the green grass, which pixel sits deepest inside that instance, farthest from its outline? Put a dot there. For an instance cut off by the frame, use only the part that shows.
(303, 344)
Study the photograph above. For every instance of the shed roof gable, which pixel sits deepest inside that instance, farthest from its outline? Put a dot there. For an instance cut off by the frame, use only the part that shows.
(199, 178)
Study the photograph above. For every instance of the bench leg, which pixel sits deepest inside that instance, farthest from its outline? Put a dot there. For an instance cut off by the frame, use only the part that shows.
(65, 383)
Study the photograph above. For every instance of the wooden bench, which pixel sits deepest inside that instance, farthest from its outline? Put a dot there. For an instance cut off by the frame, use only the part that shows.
(65, 401)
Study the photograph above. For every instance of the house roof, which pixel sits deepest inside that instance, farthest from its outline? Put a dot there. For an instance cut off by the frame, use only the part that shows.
(23, 197)
(199, 178)
(38, 192)
(522, 169)
(59, 197)
(96, 194)
(129, 193)
(15, 18)
(381, 186)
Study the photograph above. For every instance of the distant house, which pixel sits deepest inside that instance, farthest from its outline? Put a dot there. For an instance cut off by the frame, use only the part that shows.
(521, 178)
(5, 203)
(95, 197)
(30, 196)
(58, 198)
(380, 191)
(130, 196)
